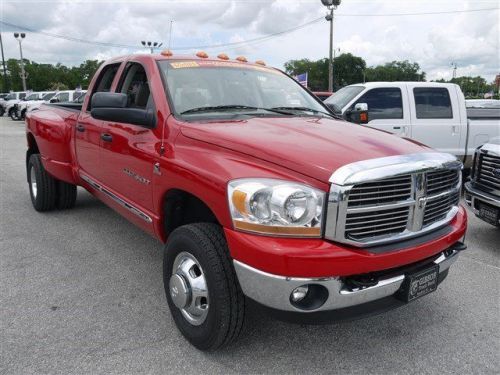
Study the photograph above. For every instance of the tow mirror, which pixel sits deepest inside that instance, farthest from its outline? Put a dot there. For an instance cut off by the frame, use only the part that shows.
(360, 113)
(111, 106)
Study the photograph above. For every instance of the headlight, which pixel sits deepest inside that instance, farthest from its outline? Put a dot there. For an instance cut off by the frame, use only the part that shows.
(276, 207)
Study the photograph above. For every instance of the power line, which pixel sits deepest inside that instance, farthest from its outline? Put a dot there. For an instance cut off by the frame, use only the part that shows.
(243, 42)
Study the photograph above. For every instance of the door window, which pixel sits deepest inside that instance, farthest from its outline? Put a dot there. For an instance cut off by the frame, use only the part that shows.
(432, 102)
(105, 80)
(383, 103)
(134, 83)
(63, 97)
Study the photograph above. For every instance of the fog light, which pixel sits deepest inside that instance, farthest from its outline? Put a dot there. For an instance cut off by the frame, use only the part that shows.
(299, 293)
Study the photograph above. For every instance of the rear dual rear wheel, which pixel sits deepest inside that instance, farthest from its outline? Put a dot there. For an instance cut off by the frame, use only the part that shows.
(46, 192)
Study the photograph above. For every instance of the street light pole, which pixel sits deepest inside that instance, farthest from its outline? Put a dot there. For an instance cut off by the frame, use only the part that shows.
(331, 5)
(20, 38)
(151, 45)
(5, 81)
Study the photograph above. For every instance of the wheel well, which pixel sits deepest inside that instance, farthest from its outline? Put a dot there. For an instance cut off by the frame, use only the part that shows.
(32, 148)
(181, 208)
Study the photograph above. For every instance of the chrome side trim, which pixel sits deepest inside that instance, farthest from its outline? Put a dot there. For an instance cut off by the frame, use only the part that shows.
(274, 291)
(117, 199)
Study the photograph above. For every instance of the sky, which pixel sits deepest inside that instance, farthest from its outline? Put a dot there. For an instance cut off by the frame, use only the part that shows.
(377, 30)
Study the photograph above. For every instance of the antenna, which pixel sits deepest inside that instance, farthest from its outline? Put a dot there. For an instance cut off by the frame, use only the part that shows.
(170, 34)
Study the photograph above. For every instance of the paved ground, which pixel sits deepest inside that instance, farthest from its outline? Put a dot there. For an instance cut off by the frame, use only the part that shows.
(81, 292)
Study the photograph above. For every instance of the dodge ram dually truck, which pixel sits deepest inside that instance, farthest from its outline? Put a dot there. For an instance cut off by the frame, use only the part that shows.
(259, 193)
(429, 112)
(482, 192)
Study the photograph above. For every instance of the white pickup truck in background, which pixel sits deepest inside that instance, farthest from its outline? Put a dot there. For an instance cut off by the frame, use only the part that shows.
(432, 113)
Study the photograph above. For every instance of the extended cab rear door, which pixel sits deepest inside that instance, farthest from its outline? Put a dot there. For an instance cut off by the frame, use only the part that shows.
(435, 117)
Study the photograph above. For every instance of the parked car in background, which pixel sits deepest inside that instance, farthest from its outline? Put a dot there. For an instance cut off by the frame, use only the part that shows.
(432, 113)
(322, 95)
(19, 109)
(482, 192)
(257, 194)
(10, 100)
(59, 97)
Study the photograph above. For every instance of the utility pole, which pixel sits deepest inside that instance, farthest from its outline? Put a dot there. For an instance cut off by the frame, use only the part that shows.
(5, 80)
(331, 5)
(151, 45)
(20, 37)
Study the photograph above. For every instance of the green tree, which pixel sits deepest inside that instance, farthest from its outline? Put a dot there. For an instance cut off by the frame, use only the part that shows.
(395, 71)
(347, 69)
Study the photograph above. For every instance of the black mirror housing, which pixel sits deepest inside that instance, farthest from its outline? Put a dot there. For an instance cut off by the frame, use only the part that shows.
(135, 116)
(109, 100)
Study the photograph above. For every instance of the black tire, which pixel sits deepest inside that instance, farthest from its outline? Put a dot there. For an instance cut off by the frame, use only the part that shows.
(226, 309)
(2, 111)
(45, 197)
(66, 195)
(23, 114)
(13, 114)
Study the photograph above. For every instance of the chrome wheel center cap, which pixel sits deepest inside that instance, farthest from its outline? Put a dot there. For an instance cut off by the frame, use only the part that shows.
(179, 291)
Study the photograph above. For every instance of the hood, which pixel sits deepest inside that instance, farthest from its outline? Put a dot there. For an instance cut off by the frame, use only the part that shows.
(314, 147)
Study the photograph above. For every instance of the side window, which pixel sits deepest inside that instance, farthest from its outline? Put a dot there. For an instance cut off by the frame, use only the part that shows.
(105, 80)
(432, 102)
(63, 97)
(22, 95)
(383, 103)
(134, 83)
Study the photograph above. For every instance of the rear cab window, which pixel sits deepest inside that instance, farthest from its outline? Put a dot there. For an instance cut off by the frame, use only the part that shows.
(104, 81)
(432, 103)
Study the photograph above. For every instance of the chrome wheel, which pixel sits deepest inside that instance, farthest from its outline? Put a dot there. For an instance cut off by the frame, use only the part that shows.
(33, 182)
(188, 288)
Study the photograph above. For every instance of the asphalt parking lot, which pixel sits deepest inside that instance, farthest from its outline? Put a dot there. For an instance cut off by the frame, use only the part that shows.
(81, 291)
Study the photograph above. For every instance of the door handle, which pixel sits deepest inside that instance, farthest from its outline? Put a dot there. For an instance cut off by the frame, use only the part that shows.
(106, 137)
(80, 128)
(396, 127)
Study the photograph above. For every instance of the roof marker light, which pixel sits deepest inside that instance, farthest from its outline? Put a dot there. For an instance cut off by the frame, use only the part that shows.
(223, 56)
(166, 52)
(202, 54)
(242, 59)
(260, 62)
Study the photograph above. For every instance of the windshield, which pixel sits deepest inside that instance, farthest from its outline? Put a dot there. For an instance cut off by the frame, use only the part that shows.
(48, 96)
(342, 97)
(198, 87)
(10, 96)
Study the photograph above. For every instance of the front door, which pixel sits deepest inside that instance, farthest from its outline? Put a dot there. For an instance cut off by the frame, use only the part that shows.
(386, 110)
(127, 150)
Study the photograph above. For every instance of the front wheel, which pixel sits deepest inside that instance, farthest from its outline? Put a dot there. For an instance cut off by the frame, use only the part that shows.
(202, 289)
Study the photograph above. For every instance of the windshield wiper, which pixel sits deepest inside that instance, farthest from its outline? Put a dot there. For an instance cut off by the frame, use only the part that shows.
(306, 109)
(220, 108)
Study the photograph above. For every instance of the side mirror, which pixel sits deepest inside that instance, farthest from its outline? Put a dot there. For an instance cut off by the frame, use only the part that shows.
(54, 100)
(360, 113)
(110, 106)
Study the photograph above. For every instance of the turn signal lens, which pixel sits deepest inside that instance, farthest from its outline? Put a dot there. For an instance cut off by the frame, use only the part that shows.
(202, 54)
(166, 52)
(242, 59)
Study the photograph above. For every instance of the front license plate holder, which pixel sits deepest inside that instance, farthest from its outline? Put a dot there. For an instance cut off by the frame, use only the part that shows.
(419, 283)
(489, 213)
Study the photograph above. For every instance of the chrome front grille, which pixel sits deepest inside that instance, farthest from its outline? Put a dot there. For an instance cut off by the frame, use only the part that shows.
(390, 199)
(485, 175)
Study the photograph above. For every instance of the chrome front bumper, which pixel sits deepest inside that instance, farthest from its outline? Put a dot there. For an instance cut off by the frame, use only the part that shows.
(472, 194)
(274, 291)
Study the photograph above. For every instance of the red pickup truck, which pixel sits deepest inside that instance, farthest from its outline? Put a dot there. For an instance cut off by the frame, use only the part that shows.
(260, 194)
